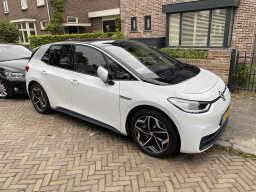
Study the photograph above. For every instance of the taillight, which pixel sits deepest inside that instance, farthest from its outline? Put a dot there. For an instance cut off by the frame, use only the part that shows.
(27, 68)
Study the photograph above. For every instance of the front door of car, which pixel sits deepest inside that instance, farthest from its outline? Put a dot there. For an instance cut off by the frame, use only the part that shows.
(91, 97)
(54, 75)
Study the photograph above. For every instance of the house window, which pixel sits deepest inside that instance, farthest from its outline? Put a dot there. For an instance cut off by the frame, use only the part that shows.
(40, 2)
(43, 24)
(5, 5)
(24, 4)
(148, 23)
(71, 19)
(207, 28)
(133, 24)
(26, 29)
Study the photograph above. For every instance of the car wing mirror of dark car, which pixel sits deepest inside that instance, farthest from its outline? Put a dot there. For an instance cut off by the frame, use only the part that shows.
(104, 75)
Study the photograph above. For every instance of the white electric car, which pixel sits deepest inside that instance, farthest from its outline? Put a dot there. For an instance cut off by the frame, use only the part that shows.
(130, 88)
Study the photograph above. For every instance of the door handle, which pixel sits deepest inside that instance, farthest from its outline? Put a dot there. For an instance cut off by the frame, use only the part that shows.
(44, 72)
(75, 82)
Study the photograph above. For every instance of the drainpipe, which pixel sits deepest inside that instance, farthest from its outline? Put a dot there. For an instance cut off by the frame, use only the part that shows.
(47, 5)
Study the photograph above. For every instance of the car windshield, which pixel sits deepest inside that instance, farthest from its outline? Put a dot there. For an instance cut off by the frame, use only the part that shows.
(12, 52)
(148, 62)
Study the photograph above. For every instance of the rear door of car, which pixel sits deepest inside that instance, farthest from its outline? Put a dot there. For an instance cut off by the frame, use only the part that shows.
(54, 75)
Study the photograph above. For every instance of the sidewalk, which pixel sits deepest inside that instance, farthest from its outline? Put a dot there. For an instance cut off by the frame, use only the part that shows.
(241, 129)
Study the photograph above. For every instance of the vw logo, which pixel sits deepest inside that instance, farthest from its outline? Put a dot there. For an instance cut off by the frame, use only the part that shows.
(222, 95)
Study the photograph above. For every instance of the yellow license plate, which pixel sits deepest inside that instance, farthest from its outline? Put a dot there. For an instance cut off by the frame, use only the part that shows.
(225, 116)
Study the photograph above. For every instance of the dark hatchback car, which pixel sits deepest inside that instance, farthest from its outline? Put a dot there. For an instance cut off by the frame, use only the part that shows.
(13, 60)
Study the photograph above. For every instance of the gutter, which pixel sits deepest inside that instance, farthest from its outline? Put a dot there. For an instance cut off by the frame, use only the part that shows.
(47, 5)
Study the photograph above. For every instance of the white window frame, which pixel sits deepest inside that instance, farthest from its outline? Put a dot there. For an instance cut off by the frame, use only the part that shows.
(24, 4)
(72, 17)
(40, 2)
(42, 26)
(27, 29)
(5, 6)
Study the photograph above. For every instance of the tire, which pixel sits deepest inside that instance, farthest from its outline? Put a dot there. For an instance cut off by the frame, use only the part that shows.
(39, 99)
(3, 92)
(161, 139)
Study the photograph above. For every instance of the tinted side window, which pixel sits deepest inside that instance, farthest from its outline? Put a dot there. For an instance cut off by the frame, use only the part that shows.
(60, 56)
(117, 71)
(87, 60)
(46, 56)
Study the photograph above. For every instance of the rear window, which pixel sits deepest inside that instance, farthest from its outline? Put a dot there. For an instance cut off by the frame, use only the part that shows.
(12, 52)
(59, 56)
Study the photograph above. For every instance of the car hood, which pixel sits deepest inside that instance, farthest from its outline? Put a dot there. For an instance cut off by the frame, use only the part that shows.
(14, 65)
(198, 84)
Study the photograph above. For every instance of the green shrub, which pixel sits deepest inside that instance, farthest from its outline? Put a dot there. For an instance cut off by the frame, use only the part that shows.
(118, 23)
(242, 79)
(39, 40)
(9, 33)
(184, 53)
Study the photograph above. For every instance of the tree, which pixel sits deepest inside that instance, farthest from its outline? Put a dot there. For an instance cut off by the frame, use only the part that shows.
(9, 32)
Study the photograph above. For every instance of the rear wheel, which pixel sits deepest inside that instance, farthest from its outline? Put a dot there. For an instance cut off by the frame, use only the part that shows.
(3, 91)
(154, 133)
(39, 99)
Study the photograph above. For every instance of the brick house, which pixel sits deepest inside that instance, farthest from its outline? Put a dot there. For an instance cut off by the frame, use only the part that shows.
(79, 16)
(203, 24)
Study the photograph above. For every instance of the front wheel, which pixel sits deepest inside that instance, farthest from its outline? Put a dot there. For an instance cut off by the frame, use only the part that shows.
(3, 91)
(154, 133)
(39, 99)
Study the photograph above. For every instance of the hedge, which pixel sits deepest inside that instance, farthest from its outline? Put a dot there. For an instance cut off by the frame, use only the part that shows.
(185, 53)
(39, 40)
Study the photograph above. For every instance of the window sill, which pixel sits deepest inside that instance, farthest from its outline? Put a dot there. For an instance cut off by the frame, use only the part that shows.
(133, 31)
(6, 13)
(40, 5)
(147, 31)
(24, 8)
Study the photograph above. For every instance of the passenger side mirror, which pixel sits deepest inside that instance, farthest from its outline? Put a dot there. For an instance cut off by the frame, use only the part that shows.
(104, 75)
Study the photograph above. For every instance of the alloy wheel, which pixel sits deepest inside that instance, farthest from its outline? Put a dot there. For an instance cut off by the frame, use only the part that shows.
(3, 92)
(38, 98)
(151, 134)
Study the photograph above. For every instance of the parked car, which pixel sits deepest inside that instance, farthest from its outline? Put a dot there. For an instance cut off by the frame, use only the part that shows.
(130, 88)
(13, 60)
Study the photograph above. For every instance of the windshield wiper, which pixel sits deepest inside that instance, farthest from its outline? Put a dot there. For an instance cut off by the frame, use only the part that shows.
(22, 58)
(171, 71)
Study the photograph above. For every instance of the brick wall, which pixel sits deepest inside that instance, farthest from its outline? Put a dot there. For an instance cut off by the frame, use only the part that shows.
(244, 25)
(244, 33)
(218, 62)
(77, 8)
(33, 12)
(80, 8)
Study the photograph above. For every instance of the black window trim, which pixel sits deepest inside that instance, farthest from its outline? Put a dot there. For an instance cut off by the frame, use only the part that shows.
(226, 29)
(132, 19)
(145, 23)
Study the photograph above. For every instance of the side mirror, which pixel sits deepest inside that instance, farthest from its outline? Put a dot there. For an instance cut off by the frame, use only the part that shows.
(104, 75)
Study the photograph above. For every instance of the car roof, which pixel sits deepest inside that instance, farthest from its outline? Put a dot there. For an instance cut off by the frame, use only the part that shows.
(8, 44)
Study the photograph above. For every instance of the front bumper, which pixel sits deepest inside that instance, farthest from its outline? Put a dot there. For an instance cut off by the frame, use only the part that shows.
(209, 140)
(198, 132)
(15, 86)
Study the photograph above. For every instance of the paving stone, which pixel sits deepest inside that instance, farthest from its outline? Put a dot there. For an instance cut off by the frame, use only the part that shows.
(55, 152)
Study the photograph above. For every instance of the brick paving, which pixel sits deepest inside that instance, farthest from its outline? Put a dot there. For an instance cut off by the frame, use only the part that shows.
(57, 152)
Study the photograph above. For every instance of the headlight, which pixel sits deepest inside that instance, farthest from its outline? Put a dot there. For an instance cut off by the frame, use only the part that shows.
(13, 75)
(190, 106)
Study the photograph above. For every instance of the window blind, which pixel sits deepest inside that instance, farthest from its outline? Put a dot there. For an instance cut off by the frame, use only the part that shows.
(218, 27)
(174, 33)
(195, 28)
